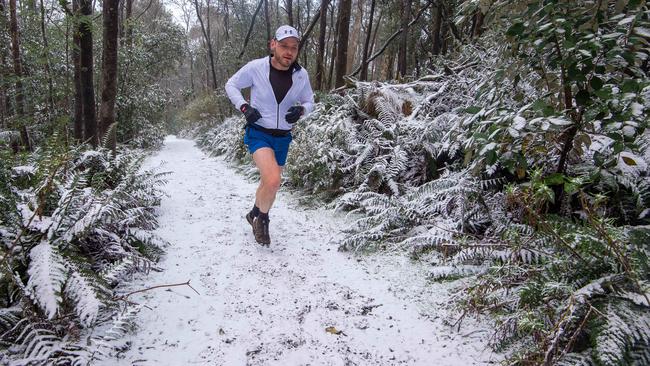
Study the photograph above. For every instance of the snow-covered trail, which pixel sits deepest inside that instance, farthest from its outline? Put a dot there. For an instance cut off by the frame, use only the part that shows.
(274, 306)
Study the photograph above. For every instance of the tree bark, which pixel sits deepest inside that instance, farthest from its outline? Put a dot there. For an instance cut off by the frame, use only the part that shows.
(250, 28)
(366, 45)
(207, 41)
(392, 37)
(402, 62)
(320, 56)
(342, 31)
(87, 78)
(209, 38)
(334, 25)
(305, 35)
(4, 72)
(288, 4)
(109, 73)
(267, 20)
(18, 72)
(127, 24)
(76, 61)
(355, 36)
(46, 58)
(436, 26)
(226, 20)
(373, 43)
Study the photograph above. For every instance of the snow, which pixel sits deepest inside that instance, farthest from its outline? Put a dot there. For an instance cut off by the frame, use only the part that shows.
(23, 170)
(276, 306)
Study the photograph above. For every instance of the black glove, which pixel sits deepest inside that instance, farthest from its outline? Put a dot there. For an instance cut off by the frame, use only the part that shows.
(294, 113)
(251, 114)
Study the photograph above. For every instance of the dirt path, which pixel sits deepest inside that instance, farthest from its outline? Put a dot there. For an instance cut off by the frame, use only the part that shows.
(274, 306)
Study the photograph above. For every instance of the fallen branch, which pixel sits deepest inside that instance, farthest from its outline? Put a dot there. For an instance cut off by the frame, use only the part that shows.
(125, 297)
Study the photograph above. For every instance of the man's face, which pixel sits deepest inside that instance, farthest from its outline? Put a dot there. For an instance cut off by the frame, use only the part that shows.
(285, 51)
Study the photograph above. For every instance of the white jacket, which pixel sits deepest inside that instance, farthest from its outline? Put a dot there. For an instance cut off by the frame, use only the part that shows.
(255, 74)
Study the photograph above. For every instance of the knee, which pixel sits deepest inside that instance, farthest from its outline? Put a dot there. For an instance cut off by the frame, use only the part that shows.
(272, 183)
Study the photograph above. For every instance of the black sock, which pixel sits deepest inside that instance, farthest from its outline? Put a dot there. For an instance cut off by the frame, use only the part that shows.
(255, 211)
(263, 216)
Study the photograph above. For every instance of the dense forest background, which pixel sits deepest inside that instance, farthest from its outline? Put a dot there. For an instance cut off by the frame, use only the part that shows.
(503, 141)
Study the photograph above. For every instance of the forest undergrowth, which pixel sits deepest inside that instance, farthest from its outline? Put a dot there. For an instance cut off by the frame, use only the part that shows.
(76, 222)
(520, 166)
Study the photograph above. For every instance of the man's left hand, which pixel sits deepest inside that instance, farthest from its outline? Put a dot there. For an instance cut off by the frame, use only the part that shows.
(294, 113)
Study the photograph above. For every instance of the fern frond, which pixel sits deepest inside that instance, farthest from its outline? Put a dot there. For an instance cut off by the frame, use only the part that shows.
(81, 290)
(626, 330)
(9, 317)
(47, 274)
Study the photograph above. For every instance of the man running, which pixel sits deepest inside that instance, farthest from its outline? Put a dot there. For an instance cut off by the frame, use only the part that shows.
(280, 94)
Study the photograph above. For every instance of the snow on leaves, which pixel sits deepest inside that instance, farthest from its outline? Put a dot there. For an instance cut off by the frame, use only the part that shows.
(47, 274)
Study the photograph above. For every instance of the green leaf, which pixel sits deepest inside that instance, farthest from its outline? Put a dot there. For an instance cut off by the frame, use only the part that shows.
(491, 157)
(571, 187)
(618, 147)
(596, 83)
(630, 86)
(629, 57)
(473, 109)
(555, 179)
(516, 29)
(582, 97)
(605, 93)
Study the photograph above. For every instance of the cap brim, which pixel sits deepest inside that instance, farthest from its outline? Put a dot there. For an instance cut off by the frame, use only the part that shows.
(279, 39)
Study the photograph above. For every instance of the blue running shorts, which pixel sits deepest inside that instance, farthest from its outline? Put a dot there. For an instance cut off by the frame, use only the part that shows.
(256, 139)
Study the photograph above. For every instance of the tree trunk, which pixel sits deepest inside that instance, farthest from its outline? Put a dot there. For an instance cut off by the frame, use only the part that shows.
(18, 72)
(373, 43)
(334, 25)
(413, 50)
(250, 28)
(320, 57)
(226, 21)
(389, 61)
(391, 38)
(46, 58)
(342, 31)
(288, 4)
(402, 62)
(366, 45)
(267, 20)
(297, 18)
(87, 79)
(109, 73)
(4, 72)
(354, 37)
(76, 61)
(209, 37)
(307, 33)
(128, 26)
(208, 42)
(436, 26)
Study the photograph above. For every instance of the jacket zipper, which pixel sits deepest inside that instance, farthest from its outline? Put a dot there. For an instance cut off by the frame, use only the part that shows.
(277, 118)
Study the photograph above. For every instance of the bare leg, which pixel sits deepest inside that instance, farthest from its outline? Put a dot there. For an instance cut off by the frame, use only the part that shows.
(270, 173)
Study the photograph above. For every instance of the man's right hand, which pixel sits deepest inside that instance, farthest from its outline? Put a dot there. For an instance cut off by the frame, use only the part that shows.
(251, 114)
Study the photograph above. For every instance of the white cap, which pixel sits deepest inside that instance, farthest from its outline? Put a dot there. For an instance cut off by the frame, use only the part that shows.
(286, 31)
